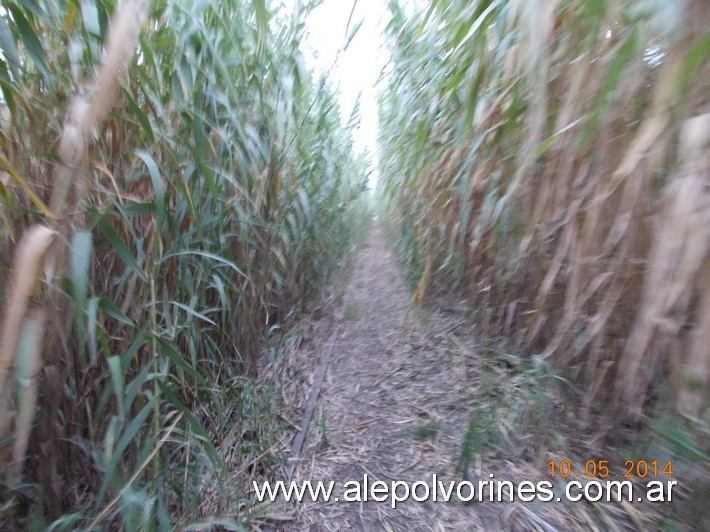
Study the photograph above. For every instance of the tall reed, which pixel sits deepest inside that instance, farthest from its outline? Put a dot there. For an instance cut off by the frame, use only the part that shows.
(183, 183)
(552, 158)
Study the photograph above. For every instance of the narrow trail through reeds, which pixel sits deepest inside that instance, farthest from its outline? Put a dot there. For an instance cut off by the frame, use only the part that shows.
(395, 405)
(413, 392)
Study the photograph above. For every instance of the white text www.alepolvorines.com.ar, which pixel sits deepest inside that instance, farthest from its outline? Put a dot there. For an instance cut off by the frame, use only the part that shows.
(436, 490)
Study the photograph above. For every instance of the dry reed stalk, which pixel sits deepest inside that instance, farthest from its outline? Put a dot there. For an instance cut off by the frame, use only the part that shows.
(85, 115)
(27, 377)
(679, 255)
(33, 257)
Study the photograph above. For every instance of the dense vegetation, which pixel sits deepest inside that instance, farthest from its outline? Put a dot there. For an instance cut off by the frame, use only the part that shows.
(174, 184)
(551, 159)
(163, 213)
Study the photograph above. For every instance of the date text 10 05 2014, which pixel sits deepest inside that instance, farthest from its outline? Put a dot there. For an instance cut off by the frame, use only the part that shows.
(602, 469)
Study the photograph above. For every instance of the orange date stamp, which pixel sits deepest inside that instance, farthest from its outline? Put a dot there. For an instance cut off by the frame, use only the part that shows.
(601, 469)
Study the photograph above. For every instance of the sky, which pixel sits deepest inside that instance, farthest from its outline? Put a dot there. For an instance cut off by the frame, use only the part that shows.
(358, 68)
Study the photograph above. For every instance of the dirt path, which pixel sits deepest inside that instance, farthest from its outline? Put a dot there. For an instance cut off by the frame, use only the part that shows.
(404, 394)
(393, 406)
